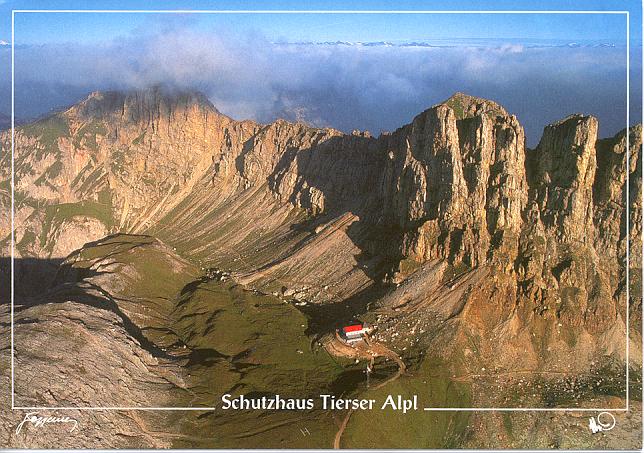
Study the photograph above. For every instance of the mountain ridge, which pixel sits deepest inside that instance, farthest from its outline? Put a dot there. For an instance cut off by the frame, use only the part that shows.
(456, 184)
(462, 103)
(457, 241)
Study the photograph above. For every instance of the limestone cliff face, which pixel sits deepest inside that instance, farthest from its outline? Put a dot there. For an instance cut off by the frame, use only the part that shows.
(565, 165)
(331, 214)
(617, 204)
(469, 185)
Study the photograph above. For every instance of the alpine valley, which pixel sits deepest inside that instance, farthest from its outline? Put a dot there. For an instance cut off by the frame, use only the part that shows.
(166, 255)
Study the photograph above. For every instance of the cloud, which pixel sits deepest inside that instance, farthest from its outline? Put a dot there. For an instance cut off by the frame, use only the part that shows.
(375, 87)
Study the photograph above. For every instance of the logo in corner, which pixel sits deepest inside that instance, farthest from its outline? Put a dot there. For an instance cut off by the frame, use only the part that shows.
(605, 422)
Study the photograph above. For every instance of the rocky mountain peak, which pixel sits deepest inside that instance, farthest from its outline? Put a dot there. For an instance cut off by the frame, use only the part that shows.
(466, 106)
(141, 103)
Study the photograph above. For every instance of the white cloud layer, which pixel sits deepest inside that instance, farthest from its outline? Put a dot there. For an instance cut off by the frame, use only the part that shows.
(347, 87)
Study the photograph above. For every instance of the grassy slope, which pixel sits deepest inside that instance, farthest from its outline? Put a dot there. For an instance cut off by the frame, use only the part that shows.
(236, 342)
(416, 429)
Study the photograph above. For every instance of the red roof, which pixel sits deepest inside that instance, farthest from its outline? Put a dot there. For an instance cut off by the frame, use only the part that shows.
(353, 328)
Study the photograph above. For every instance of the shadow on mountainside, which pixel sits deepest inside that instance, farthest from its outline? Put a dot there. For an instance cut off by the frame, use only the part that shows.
(32, 277)
(338, 176)
(38, 282)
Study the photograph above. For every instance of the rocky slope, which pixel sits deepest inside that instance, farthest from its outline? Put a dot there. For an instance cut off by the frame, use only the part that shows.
(448, 233)
(128, 323)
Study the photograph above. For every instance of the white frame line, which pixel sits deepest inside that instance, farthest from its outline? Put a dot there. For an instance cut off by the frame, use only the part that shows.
(433, 409)
(436, 409)
(278, 11)
(628, 202)
(13, 185)
(114, 408)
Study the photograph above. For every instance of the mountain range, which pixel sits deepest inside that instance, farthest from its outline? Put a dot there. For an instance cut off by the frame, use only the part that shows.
(494, 270)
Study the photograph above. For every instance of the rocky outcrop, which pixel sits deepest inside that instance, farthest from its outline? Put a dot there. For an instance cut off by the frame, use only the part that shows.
(564, 169)
(469, 187)
(128, 324)
(89, 339)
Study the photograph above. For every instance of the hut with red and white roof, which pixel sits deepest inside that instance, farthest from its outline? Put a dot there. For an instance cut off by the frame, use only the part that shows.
(354, 332)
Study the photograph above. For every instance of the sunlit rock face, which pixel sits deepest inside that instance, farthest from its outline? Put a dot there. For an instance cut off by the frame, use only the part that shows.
(483, 252)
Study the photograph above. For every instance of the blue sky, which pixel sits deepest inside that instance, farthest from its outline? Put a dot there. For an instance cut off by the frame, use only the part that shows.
(540, 66)
(39, 28)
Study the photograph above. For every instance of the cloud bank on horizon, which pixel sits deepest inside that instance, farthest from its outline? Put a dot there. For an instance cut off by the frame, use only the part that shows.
(375, 87)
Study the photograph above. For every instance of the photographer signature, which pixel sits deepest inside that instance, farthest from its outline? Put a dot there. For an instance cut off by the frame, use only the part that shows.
(39, 421)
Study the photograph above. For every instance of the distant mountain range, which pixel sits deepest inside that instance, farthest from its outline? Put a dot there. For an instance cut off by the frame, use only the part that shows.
(452, 43)
(447, 42)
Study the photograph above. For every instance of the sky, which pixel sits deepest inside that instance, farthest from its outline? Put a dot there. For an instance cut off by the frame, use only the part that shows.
(371, 71)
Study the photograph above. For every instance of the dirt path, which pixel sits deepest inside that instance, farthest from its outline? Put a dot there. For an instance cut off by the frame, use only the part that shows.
(383, 351)
(343, 425)
(374, 350)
